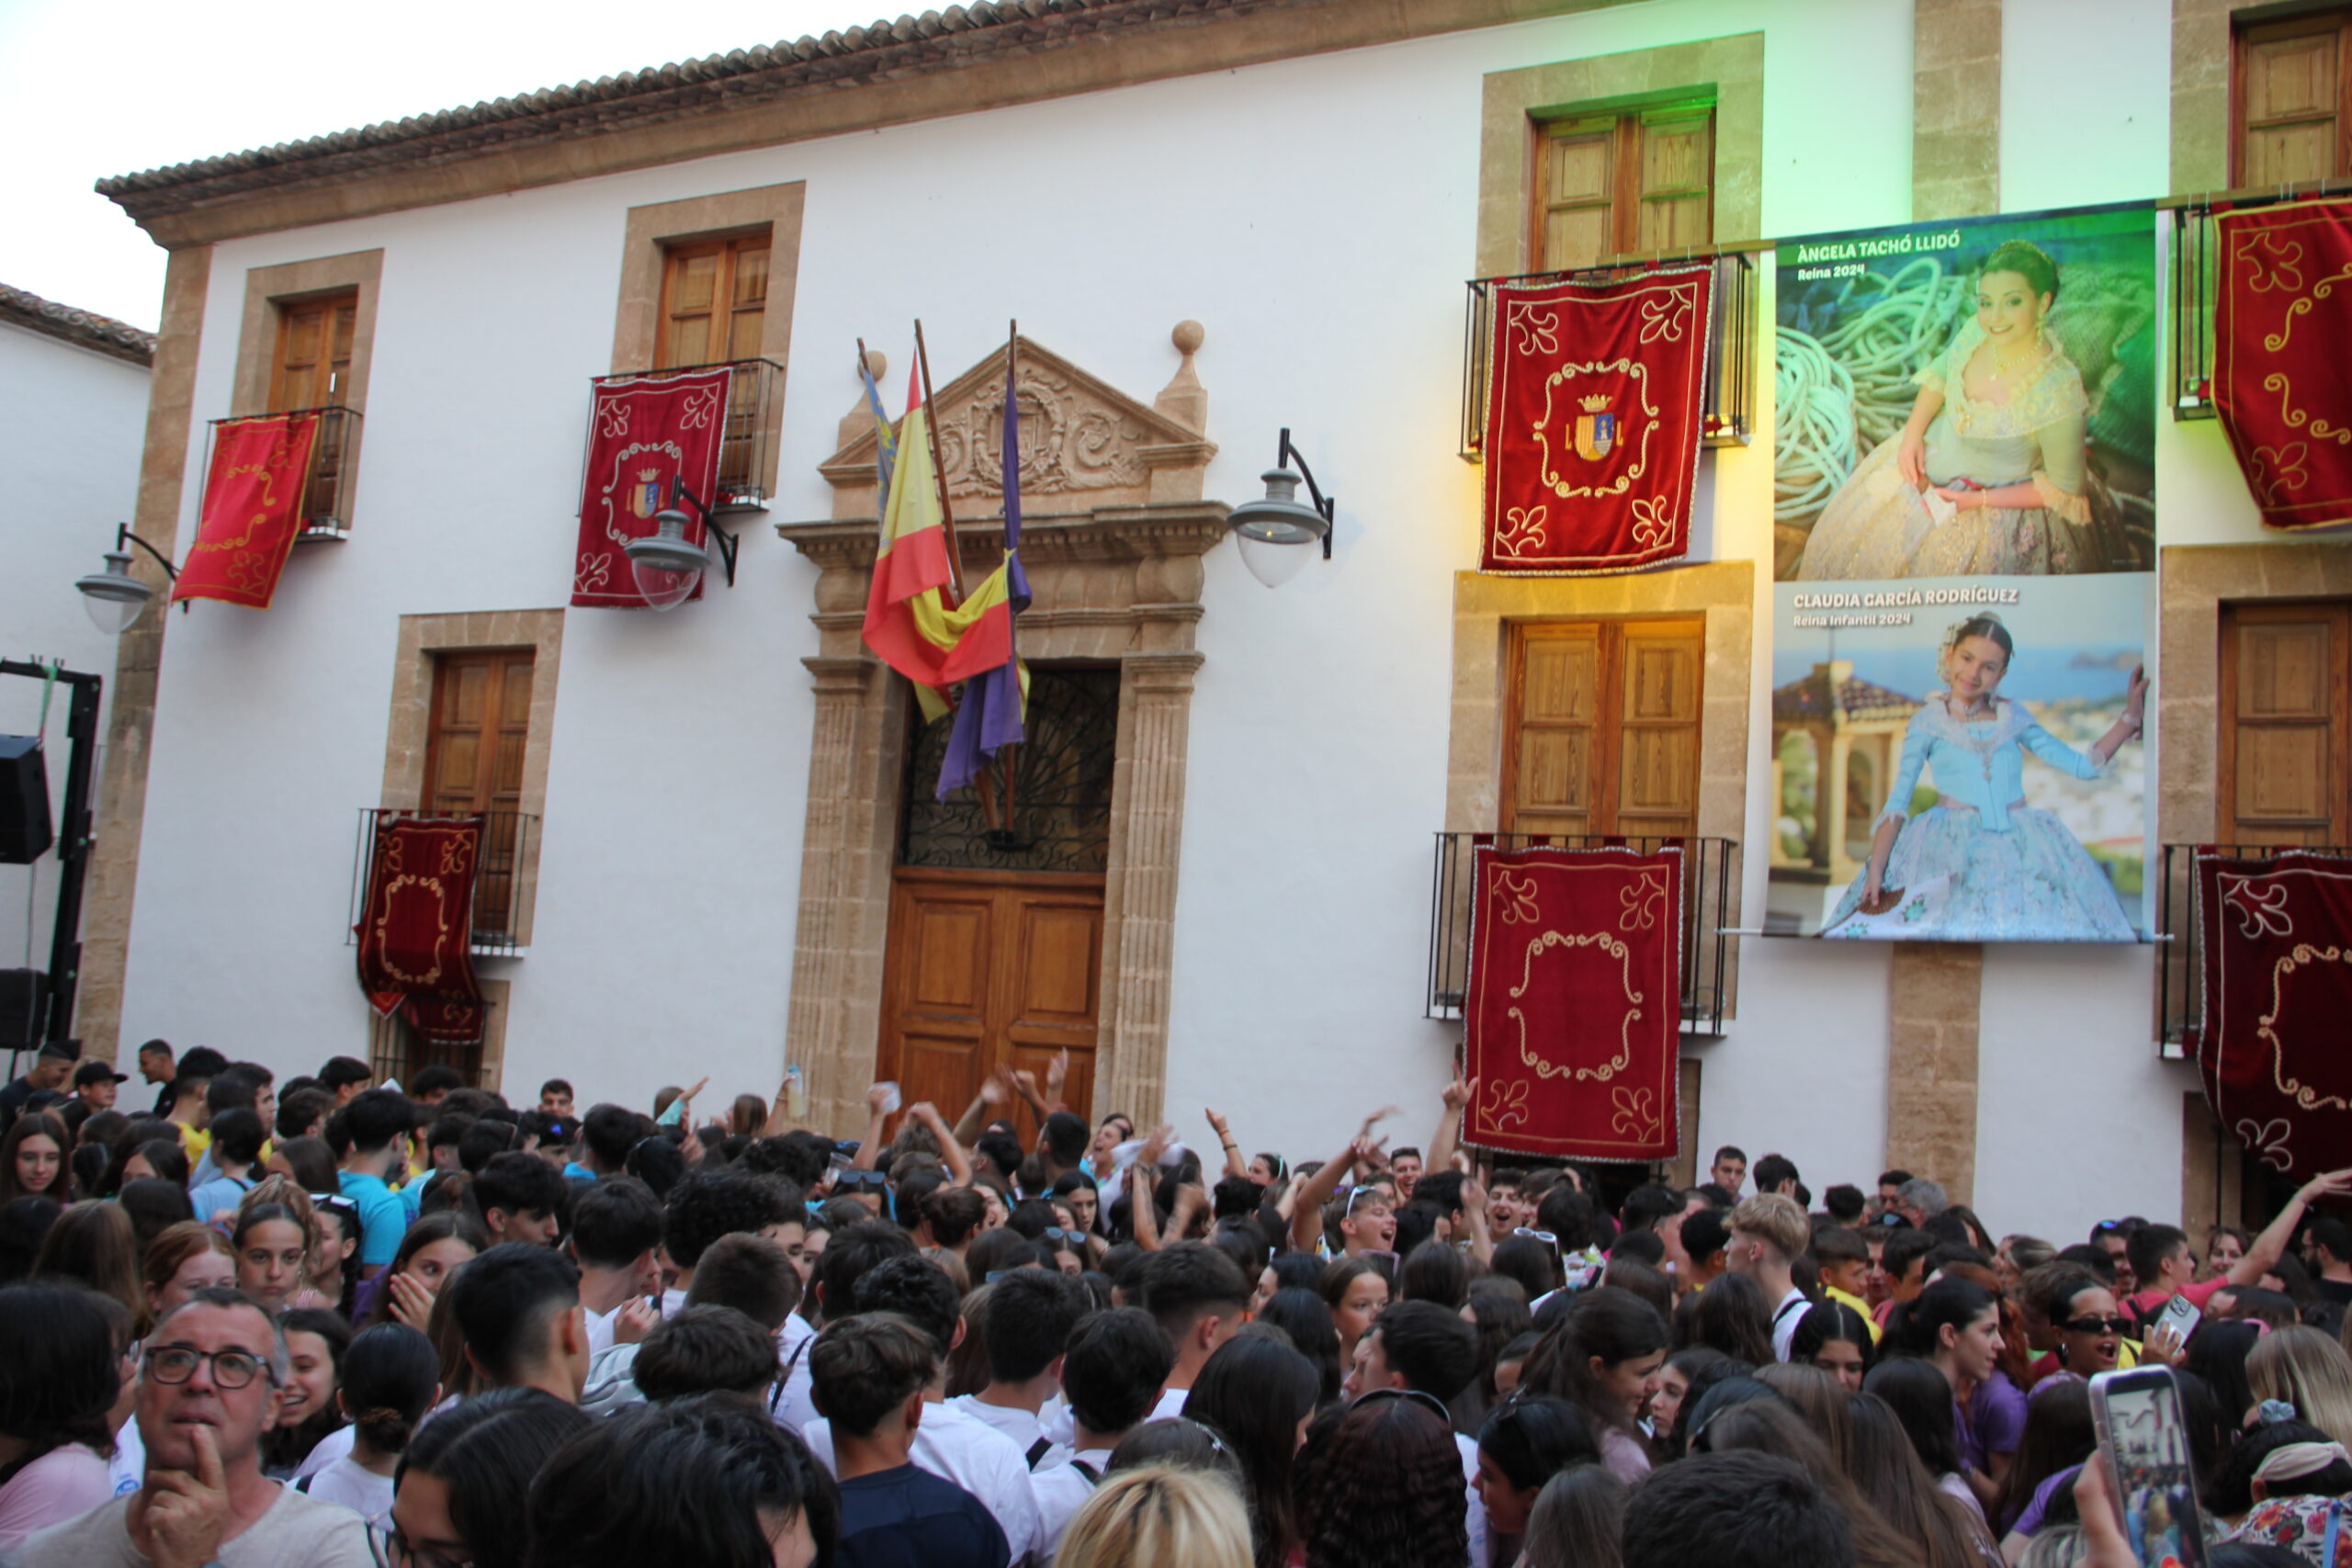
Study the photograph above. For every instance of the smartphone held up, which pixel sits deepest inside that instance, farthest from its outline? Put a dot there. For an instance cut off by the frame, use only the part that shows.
(2143, 1443)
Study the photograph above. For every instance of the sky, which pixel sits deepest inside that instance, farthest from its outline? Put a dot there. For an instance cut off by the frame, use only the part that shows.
(90, 88)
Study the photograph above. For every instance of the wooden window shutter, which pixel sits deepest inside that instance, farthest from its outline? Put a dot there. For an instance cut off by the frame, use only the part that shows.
(1677, 173)
(1619, 183)
(714, 302)
(314, 365)
(1600, 731)
(1577, 225)
(2286, 690)
(2291, 85)
(481, 716)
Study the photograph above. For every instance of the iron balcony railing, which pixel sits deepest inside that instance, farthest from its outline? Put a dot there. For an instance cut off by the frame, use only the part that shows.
(754, 411)
(1727, 406)
(1709, 870)
(499, 882)
(2180, 946)
(2192, 277)
(326, 490)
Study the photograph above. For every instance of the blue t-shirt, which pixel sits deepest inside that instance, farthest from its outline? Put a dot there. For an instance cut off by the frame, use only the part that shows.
(911, 1518)
(383, 1218)
(221, 1193)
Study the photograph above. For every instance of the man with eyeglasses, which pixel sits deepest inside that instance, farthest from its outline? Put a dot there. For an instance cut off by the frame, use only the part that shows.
(207, 1388)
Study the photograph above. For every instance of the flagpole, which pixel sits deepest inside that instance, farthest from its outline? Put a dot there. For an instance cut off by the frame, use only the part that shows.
(930, 427)
(1008, 757)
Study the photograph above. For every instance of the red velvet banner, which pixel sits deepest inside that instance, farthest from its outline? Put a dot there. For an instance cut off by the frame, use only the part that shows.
(2276, 934)
(642, 433)
(1574, 1011)
(1593, 415)
(253, 505)
(416, 925)
(2282, 379)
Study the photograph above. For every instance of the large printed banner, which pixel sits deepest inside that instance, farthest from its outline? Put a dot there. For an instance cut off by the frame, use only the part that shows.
(1574, 1013)
(2282, 382)
(253, 504)
(643, 433)
(1965, 544)
(2277, 986)
(1593, 422)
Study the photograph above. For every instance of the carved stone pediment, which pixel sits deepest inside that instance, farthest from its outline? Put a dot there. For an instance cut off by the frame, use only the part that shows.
(1085, 445)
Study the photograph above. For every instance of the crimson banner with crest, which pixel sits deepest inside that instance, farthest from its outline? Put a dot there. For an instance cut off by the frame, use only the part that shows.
(644, 432)
(1594, 395)
(416, 923)
(253, 505)
(1574, 1011)
(2282, 381)
(2276, 979)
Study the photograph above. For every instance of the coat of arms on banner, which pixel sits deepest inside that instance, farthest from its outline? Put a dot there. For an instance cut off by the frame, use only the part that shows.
(645, 496)
(1596, 429)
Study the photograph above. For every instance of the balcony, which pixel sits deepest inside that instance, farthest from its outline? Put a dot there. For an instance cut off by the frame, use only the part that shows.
(2180, 947)
(501, 885)
(1727, 405)
(754, 411)
(326, 490)
(1709, 869)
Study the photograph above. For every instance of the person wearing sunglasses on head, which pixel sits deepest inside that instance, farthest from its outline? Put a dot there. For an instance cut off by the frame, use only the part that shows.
(207, 1387)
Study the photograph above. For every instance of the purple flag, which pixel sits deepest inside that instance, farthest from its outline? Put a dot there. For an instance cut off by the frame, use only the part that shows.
(988, 714)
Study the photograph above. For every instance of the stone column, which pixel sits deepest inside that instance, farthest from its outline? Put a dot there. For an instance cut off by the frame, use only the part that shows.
(1139, 891)
(1955, 109)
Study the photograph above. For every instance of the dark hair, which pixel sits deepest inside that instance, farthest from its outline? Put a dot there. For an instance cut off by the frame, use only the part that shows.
(1533, 1439)
(23, 1223)
(1113, 1369)
(167, 1158)
(918, 1292)
(863, 1368)
(1568, 1215)
(2058, 1434)
(298, 1109)
(709, 1205)
(376, 1117)
(1916, 1327)
(1254, 1392)
(339, 1071)
(1180, 1282)
(2217, 1353)
(388, 1375)
(1902, 1249)
(61, 1375)
(612, 1130)
(660, 1164)
(520, 1183)
(1920, 1397)
(1735, 1510)
(1175, 1443)
(705, 1349)
(1028, 1321)
(1773, 1169)
(435, 1078)
(489, 1137)
(2231, 1487)
(556, 1086)
(1647, 1204)
(312, 1162)
(1729, 1315)
(1888, 1474)
(504, 1299)
(751, 1274)
(1844, 1203)
(2026, 259)
(1380, 1486)
(1434, 1272)
(953, 1213)
(999, 1251)
(1306, 1321)
(446, 1224)
(2150, 1245)
(614, 1223)
(486, 1450)
(1639, 1278)
(1429, 1345)
(1529, 1261)
(155, 1206)
(94, 1244)
(1705, 1233)
(1832, 1322)
(1064, 1136)
(697, 1482)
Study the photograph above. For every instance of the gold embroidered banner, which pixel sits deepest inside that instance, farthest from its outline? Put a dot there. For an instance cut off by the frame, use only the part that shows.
(252, 501)
(2282, 379)
(1593, 422)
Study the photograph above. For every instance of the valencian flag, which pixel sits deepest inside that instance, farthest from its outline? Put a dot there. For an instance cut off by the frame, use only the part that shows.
(643, 433)
(252, 503)
(2283, 382)
(1593, 415)
(989, 715)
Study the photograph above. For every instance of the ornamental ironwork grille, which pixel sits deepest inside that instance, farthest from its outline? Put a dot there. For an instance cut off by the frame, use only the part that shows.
(1043, 805)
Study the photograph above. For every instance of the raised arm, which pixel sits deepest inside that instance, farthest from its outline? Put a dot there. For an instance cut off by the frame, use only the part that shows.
(1307, 1218)
(1474, 1214)
(1449, 1124)
(2267, 1247)
(951, 1150)
(1143, 1197)
(870, 1150)
(1233, 1164)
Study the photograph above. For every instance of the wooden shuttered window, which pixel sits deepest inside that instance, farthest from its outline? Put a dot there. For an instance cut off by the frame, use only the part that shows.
(1617, 184)
(714, 302)
(2292, 92)
(1600, 732)
(473, 762)
(2286, 695)
(312, 370)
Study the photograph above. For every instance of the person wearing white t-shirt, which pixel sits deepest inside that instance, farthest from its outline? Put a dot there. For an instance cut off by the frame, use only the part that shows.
(1111, 1375)
(948, 1442)
(1769, 1234)
(1026, 1324)
(1423, 1346)
(1200, 1299)
(616, 1235)
(391, 1376)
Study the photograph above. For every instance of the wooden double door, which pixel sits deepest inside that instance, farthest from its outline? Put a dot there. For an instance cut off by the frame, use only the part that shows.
(988, 969)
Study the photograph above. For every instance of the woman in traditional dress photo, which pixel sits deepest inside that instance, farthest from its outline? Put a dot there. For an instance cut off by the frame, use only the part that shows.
(1980, 864)
(1990, 474)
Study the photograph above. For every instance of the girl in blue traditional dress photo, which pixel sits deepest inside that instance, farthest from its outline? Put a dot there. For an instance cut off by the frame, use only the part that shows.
(1980, 864)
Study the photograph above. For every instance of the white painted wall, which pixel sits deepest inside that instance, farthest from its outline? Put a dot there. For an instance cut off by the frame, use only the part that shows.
(76, 420)
(1328, 268)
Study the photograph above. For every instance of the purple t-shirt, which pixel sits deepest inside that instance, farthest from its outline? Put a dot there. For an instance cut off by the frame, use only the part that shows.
(1994, 1422)
(2029, 1521)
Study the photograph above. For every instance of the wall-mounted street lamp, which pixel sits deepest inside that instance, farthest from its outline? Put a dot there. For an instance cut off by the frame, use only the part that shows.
(1272, 534)
(666, 563)
(113, 597)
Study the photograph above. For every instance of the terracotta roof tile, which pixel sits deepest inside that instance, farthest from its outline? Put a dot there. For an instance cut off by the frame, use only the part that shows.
(86, 328)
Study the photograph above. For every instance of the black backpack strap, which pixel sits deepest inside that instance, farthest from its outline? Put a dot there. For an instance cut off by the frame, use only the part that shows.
(1039, 1449)
(303, 1484)
(1093, 1476)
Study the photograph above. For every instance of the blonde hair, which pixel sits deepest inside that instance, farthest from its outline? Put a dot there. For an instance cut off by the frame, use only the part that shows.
(1776, 1218)
(2308, 1369)
(1156, 1517)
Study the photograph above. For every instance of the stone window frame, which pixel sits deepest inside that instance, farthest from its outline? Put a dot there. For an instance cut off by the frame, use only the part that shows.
(653, 227)
(359, 273)
(1730, 68)
(408, 732)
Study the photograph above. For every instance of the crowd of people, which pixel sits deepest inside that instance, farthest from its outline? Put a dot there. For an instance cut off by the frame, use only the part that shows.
(328, 1322)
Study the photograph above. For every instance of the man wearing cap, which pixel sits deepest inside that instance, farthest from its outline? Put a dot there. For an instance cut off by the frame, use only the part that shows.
(94, 1084)
(50, 1070)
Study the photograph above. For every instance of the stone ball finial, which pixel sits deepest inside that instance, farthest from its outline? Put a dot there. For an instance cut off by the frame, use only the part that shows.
(1188, 337)
(877, 363)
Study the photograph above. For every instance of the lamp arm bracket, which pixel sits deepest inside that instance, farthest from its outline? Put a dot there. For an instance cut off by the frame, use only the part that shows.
(123, 536)
(1327, 507)
(728, 543)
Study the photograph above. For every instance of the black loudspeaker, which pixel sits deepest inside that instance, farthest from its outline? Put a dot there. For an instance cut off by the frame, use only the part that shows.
(24, 831)
(23, 1005)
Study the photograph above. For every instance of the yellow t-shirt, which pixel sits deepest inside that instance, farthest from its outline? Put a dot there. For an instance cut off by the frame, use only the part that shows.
(195, 1140)
(1835, 1294)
